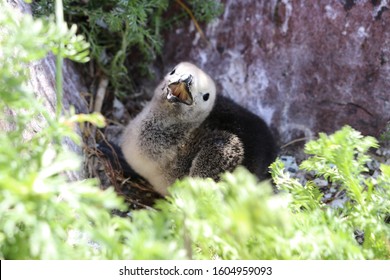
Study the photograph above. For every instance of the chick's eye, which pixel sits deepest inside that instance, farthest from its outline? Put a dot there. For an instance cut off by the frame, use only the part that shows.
(173, 72)
(206, 96)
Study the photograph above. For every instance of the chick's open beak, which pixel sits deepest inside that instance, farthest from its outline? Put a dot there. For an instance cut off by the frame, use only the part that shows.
(180, 91)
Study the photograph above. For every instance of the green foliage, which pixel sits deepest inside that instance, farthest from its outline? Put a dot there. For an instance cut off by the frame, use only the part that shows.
(205, 11)
(341, 158)
(125, 36)
(39, 208)
(303, 197)
(238, 218)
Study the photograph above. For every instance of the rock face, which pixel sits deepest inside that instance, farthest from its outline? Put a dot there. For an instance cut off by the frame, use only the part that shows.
(304, 66)
(42, 83)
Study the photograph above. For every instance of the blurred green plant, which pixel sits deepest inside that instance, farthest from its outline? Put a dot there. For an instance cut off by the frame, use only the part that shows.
(126, 36)
(39, 207)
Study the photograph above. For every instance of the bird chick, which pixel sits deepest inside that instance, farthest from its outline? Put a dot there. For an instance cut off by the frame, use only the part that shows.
(189, 130)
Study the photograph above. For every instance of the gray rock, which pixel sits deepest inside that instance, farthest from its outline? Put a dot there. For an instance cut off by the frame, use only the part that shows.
(303, 67)
(290, 163)
(320, 182)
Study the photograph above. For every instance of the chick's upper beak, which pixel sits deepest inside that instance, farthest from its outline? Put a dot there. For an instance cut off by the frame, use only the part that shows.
(180, 91)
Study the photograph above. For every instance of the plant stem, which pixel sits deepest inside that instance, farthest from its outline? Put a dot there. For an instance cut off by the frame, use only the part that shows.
(59, 60)
(197, 26)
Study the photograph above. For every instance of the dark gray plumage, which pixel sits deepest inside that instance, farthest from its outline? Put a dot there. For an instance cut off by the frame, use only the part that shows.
(189, 130)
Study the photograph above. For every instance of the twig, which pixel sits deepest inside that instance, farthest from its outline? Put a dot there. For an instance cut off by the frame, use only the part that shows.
(139, 204)
(294, 141)
(100, 94)
(197, 26)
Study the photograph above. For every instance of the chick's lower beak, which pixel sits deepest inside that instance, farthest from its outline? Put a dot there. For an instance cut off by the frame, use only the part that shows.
(180, 91)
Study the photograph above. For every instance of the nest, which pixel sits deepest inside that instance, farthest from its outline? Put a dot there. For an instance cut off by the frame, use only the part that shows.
(137, 192)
